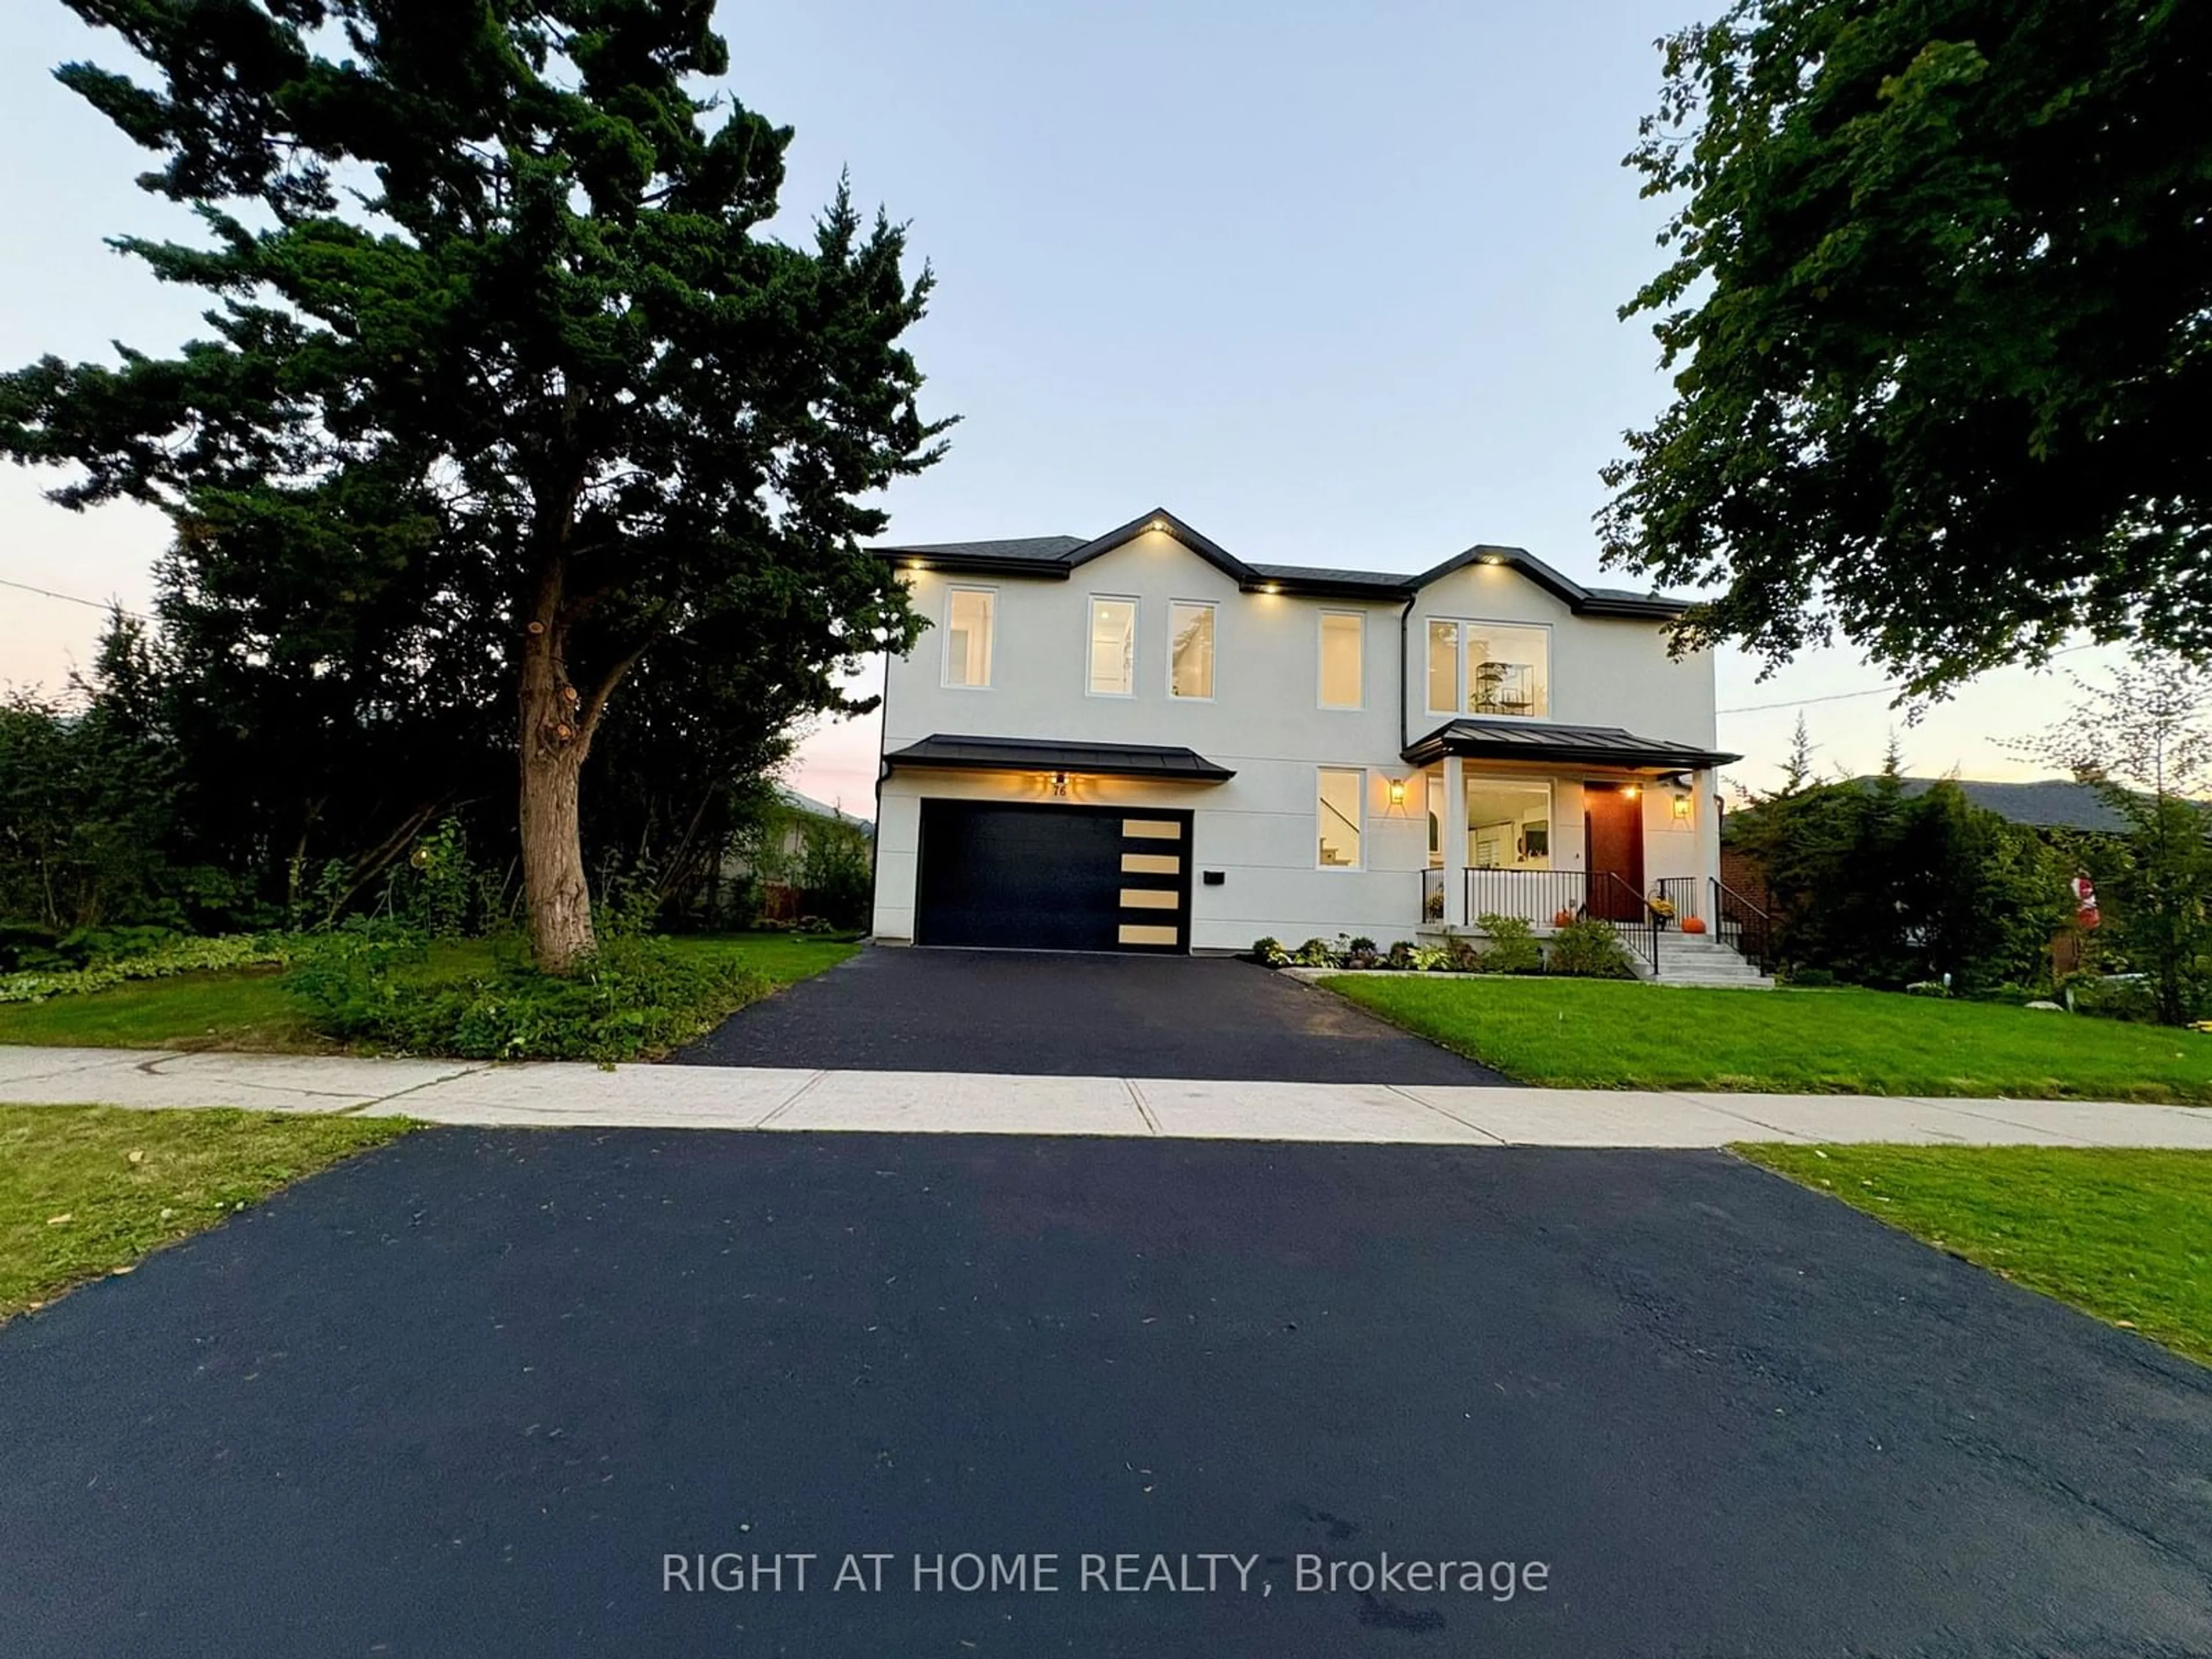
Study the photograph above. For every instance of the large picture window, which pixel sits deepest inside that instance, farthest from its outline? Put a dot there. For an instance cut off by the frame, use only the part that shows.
(968, 613)
(1343, 641)
(1509, 825)
(1190, 649)
(1113, 647)
(1489, 668)
(1341, 806)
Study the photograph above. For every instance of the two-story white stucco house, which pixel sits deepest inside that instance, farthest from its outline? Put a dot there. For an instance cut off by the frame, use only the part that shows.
(1142, 742)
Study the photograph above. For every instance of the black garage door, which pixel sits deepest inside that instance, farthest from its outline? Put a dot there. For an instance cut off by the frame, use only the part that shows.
(1053, 878)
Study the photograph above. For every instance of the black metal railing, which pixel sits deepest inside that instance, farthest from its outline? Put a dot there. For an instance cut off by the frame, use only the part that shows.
(1681, 893)
(1742, 925)
(1631, 917)
(1535, 895)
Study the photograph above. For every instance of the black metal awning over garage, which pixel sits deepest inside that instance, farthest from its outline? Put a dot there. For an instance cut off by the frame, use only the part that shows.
(1117, 760)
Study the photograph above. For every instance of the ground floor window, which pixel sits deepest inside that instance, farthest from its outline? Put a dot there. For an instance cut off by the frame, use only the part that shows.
(1341, 808)
(1509, 825)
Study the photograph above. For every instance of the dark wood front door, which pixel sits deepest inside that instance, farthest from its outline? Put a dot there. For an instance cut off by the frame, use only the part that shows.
(1612, 831)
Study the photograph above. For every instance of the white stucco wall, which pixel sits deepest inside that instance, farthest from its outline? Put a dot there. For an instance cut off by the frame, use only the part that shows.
(1265, 721)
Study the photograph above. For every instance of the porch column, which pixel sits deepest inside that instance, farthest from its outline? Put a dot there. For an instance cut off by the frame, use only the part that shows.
(1706, 815)
(1455, 839)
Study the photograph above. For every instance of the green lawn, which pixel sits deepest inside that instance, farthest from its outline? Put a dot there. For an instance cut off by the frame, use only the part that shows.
(1596, 1034)
(2125, 1235)
(87, 1190)
(247, 1009)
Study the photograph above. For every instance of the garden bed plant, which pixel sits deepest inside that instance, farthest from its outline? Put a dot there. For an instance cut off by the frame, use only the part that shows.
(1585, 949)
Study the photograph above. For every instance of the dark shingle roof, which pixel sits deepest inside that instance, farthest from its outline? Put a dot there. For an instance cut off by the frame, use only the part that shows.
(1542, 740)
(1055, 557)
(2046, 803)
(1018, 547)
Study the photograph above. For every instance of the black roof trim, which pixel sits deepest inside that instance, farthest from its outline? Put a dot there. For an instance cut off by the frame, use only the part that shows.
(1161, 519)
(1583, 601)
(1119, 760)
(1541, 740)
(1056, 558)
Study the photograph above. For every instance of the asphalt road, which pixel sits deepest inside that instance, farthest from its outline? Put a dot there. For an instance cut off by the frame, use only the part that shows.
(464, 1396)
(1069, 1014)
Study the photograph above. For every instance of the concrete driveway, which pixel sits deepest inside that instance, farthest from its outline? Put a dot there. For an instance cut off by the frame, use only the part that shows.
(1063, 1014)
(470, 1394)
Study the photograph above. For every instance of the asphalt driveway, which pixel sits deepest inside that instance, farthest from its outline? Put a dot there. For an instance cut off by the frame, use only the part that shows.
(1065, 1014)
(467, 1395)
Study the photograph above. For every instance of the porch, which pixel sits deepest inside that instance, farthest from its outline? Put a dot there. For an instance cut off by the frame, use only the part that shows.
(1545, 823)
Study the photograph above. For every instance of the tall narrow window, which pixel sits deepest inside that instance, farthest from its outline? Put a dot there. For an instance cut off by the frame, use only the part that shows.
(1342, 639)
(1190, 658)
(1113, 647)
(1444, 668)
(1341, 808)
(968, 616)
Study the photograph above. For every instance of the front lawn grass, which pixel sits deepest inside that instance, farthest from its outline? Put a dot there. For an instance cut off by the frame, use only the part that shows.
(249, 1010)
(235, 1008)
(1595, 1033)
(87, 1190)
(2124, 1235)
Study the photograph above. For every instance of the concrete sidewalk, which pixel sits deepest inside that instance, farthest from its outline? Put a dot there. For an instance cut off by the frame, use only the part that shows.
(751, 1098)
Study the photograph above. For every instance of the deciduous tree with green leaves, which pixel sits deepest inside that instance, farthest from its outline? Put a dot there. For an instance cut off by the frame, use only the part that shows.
(1939, 309)
(2143, 738)
(499, 325)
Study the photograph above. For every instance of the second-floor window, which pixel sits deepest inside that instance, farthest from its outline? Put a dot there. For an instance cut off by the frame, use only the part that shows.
(1190, 654)
(1489, 668)
(968, 612)
(1113, 647)
(1343, 636)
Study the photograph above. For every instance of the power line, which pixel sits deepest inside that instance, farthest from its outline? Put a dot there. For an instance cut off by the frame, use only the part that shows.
(1871, 691)
(72, 598)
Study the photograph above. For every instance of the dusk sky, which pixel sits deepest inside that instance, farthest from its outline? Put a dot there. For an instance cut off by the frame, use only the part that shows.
(1337, 284)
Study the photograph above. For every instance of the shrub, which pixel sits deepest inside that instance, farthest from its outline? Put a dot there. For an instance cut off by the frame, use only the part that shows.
(1317, 953)
(1589, 949)
(1460, 956)
(184, 956)
(1928, 988)
(1431, 958)
(2112, 996)
(1512, 948)
(1267, 950)
(633, 998)
(1401, 955)
(1812, 979)
(836, 879)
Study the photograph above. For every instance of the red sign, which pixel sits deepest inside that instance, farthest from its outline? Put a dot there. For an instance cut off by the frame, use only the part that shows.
(2085, 903)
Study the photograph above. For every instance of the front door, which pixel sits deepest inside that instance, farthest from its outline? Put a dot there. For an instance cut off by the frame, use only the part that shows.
(1612, 830)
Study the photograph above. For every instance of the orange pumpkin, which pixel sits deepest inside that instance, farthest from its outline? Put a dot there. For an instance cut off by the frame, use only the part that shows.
(1563, 918)
(1693, 924)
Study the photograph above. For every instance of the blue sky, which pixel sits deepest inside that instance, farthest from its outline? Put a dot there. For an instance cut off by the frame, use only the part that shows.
(1336, 283)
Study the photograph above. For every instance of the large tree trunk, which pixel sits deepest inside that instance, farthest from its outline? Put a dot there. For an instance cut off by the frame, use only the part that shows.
(553, 742)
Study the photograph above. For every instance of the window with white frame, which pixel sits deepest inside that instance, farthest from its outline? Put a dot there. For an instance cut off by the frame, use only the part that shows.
(1341, 811)
(1113, 647)
(1343, 649)
(1190, 648)
(969, 614)
(1489, 668)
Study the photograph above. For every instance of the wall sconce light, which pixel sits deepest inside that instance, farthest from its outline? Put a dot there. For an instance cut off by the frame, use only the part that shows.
(915, 564)
(1681, 806)
(1060, 783)
(1397, 792)
(1630, 790)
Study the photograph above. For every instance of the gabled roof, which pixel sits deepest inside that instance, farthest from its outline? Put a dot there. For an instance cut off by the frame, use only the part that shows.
(1542, 740)
(1121, 760)
(1058, 557)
